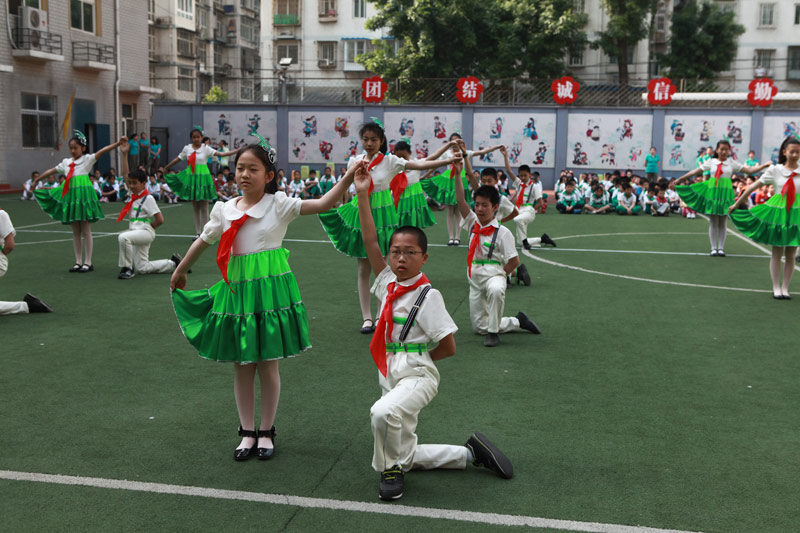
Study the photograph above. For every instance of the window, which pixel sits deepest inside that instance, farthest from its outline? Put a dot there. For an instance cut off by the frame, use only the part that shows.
(151, 10)
(576, 59)
(288, 50)
(797, 13)
(151, 42)
(359, 8)
(354, 48)
(247, 90)
(327, 8)
(186, 9)
(152, 73)
(81, 15)
(14, 5)
(202, 55)
(764, 59)
(185, 43)
(287, 7)
(185, 79)
(128, 119)
(580, 5)
(248, 32)
(327, 54)
(766, 15)
(38, 121)
(793, 71)
(202, 19)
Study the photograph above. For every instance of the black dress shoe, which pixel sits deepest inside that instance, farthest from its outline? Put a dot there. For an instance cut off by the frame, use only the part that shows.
(243, 454)
(491, 340)
(266, 453)
(36, 305)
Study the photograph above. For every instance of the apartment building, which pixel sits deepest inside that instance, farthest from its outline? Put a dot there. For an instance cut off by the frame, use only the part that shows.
(195, 44)
(94, 49)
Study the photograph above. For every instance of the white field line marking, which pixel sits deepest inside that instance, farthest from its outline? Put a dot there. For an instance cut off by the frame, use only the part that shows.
(736, 233)
(638, 233)
(339, 505)
(559, 249)
(634, 278)
(62, 240)
(110, 216)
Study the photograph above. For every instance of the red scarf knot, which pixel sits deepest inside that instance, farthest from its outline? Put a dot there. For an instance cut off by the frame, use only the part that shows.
(130, 204)
(398, 186)
(226, 245)
(473, 243)
(383, 330)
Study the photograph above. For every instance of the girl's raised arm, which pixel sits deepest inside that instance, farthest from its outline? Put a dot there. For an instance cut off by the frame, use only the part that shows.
(690, 174)
(104, 150)
(425, 165)
(43, 175)
(756, 169)
(368, 232)
(442, 149)
(326, 203)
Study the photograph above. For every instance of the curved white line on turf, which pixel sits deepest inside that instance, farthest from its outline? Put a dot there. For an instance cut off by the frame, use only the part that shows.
(637, 233)
(634, 278)
(338, 505)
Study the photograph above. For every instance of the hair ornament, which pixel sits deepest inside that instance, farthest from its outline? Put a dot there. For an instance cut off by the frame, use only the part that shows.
(81, 137)
(264, 144)
(378, 121)
(198, 128)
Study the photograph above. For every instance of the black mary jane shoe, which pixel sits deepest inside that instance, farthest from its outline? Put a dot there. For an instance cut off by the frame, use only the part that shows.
(86, 268)
(75, 268)
(243, 454)
(266, 453)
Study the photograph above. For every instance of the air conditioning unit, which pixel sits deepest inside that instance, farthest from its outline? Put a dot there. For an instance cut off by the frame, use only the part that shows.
(164, 21)
(31, 18)
(323, 63)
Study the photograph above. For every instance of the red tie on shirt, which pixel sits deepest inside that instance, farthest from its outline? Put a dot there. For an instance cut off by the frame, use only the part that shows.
(521, 194)
(385, 325)
(717, 175)
(374, 163)
(192, 161)
(226, 245)
(398, 186)
(452, 172)
(789, 192)
(130, 204)
(65, 189)
(473, 244)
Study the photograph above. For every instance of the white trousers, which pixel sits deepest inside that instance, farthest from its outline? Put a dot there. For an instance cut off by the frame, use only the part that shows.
(526, 215)
(487, 298)
(13, 308)
(134, 252)
(409, 386)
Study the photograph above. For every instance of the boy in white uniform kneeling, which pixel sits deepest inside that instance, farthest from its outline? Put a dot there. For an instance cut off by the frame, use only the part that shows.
(412, 316)
(492, 256)
(30, 303)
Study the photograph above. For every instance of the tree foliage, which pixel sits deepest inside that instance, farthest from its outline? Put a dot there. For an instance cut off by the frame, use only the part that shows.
(484, 38)
(704, 41)
(628, 23)
(216, 95)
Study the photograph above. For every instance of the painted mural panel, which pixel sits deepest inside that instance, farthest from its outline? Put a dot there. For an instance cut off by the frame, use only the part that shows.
(529, 137)
(235, 126)
(619, 141)
(686, 136)
(424, 131)
(323, 136)
(776, 129)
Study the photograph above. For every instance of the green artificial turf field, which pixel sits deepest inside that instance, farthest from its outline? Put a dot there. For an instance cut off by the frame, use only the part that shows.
(662, 392)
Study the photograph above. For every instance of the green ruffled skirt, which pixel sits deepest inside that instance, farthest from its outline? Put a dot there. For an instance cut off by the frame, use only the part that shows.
(443, 190)
(264, 318)
(707, 199)
(197, 187)
(770, 223)
(80, 202)
(344, 228)
(413, 210)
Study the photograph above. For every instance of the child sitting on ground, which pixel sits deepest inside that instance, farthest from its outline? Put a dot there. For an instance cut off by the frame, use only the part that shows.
(598, 203)
(627, 202)
(660, 206)
(570, 201)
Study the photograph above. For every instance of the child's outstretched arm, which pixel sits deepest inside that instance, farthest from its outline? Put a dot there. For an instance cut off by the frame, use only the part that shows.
(330, 198)
(690, 174)
(511, 175)
(756, 169)
(463, 206)
(178, 279)
(428, 174)
(105, 149)
(225, 154)
(745, 195)
(442, 149)
(368, 232)
(473, 181)
(488, 149)
(44, 175)
(124, 169)
(425, 164)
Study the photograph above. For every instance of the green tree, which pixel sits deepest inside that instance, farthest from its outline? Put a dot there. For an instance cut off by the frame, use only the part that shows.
(216, 95)
(627, 25)
(704, 41)
(483, 38)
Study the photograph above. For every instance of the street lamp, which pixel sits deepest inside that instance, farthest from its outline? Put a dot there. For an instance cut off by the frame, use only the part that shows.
(284, 64)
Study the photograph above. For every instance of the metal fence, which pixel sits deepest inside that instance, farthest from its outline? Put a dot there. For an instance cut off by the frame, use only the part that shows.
(441, 91)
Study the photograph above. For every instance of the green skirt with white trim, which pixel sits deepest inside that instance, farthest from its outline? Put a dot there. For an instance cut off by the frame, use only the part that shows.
(196, 187)
(710, 197)
(344, 228)
(442, 189)
(79, 204)
(263, 318)
(770, 223)
(413, 209)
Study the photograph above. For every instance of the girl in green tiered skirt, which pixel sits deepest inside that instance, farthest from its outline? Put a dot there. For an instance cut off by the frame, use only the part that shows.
(255, 316)
(776, 222)
(75, 201)
(342, 224)
(195, 182)
(714, 196)
(412, 205)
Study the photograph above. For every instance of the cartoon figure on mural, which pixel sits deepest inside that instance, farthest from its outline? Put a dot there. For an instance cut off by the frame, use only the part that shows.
(488, 157)
(604, 154)
(734, 133)
(238, 142)
(635, 154)
(514, 151)
(789, 129)
(325, 148)
(407, 127)
(497, 129)
(253, 122)
(310, 126)
(352, 150)
(439, 129)
(676, 155)
(774, 156)
(530, 129)
(705, 133)
(612, 154)
(224, 126)
(421, 150)
(541, 153)
(579, 157)
(626, 130)
(299, 150)
(341, 127)
(677, 130)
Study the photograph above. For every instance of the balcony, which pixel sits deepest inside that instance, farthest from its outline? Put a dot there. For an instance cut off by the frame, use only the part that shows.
(93, 56)
(328, 16)
(37, 45)
(326, 63)
(285, 20)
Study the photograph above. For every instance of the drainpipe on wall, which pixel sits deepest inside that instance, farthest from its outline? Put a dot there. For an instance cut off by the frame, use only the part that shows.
(117, 116)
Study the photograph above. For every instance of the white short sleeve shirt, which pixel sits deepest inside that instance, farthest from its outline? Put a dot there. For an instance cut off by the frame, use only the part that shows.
(83, 165)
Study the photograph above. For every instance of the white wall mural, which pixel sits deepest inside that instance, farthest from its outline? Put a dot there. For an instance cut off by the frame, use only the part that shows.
(776, 129)
(424, 131)
(324, 137)
(618, 141)
(235, 126)
(685, 136)
(529, 137)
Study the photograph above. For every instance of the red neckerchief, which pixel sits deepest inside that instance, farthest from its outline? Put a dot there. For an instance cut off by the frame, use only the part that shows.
(130, 204)
(398, 186)
(473, 243)
(789, 193)
(717, 175)
(521, 193)
(384, 328)
(226, 245)
(374, 163)
(65, 189)
(192, 160)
